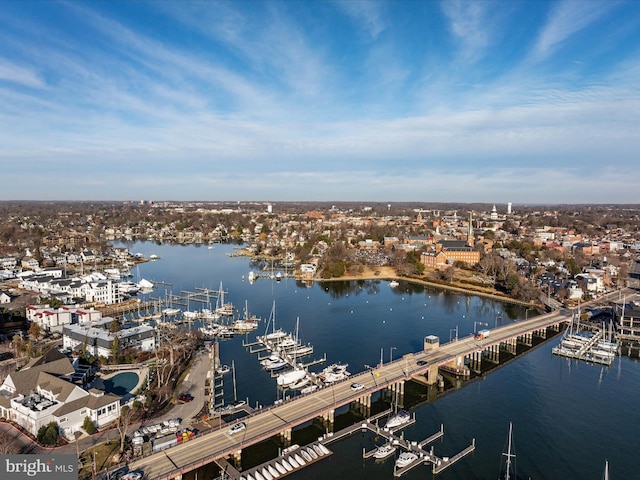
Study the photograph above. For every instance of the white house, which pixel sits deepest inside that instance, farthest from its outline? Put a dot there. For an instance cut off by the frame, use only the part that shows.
(40, 393)
(4, 298)
(49, 319)
(99, 341)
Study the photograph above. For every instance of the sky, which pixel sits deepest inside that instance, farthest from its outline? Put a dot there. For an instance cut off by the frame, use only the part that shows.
(412, 101)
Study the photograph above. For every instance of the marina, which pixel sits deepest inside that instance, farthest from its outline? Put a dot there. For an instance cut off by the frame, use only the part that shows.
(589, 345)
(325, 316)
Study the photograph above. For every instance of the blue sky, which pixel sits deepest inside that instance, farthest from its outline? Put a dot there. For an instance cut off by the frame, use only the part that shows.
(453, 101)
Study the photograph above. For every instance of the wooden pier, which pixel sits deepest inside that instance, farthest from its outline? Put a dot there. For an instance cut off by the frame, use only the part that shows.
(423, 456)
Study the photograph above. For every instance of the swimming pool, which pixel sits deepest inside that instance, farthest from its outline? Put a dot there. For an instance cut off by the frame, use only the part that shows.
(121, 383)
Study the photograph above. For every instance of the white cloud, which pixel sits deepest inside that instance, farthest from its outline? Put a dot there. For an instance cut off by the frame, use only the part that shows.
(27, 77)
(368, 15)
(566, 19)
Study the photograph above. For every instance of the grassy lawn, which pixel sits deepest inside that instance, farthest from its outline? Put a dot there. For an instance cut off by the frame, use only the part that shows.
(106, 454)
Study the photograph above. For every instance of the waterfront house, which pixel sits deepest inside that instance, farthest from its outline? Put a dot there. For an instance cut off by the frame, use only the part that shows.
(98, 341)
(626, 314)
(41, 393)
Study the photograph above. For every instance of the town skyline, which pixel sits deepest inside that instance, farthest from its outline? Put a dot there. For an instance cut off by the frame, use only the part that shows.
(534, 103)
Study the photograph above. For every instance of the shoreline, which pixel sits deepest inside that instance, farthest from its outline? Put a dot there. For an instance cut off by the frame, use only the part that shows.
(388, 274)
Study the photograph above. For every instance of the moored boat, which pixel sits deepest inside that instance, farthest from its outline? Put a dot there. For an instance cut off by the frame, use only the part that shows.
(384, 451)
(305, 455)
(398, 419)
(405, 459)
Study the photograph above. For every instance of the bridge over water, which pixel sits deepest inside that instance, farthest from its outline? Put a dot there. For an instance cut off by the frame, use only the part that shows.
(281, 419)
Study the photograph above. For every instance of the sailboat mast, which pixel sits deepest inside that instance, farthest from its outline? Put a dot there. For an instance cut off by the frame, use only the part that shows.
(507, 474)
(233, 368)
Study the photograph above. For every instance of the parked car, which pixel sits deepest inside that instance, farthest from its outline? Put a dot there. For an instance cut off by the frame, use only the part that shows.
(185, 397)
(238, 427)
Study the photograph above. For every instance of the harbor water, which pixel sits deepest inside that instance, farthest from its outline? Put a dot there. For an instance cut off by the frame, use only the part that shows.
(568, 416)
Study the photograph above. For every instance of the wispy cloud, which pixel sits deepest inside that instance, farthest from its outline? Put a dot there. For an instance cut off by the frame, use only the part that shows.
(472, 25)
(567, 18)
(370, 16)
(25, 76)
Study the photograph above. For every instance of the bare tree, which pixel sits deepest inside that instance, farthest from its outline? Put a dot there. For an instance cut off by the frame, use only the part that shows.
(8, 445)
(122, 424)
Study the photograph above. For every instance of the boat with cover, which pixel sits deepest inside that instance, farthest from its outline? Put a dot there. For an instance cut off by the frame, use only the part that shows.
(319, 450)
(305, 455)
(405, 458)
(300, 383)
(384, 451)
(272, 470)
(280, 468)
(312, 452)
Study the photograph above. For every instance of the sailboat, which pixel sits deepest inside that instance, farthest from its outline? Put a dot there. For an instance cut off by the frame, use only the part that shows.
(399, 418)
(296, 376)
(223, 309)
(246, 324)
(275, 334)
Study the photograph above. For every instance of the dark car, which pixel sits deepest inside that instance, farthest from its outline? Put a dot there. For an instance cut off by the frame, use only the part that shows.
(185, 397)
(421, 362)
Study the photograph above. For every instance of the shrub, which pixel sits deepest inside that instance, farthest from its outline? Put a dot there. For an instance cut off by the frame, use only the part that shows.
(89, 426)
(48, 434)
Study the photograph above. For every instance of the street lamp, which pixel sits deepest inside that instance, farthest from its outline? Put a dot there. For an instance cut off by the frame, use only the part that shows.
(391, 349)
(451, 330)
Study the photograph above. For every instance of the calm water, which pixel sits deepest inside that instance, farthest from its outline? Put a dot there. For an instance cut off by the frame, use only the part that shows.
(568, 416)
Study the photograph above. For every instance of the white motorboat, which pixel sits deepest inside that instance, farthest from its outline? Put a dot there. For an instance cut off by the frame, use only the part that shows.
(319, 450)
(384, 451)
(267, 474)
(305, 455)
(272, 470)
(405, 459)
(309, 389)
(398, 419)
(280, 468)
(299, 459)
(288, 378)
(324, 449)
(286, 465)
(294, 463)
(334, 373)
(300, 383)
(312, 452)
(393, 284)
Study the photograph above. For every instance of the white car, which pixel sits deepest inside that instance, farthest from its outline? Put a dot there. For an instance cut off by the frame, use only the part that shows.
(238, 427)
(357, 386)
